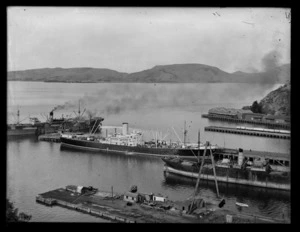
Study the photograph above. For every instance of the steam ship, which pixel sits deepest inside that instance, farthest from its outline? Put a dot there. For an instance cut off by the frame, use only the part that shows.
(131, 143)
(76, 124)
(273, 172)
(20, 129)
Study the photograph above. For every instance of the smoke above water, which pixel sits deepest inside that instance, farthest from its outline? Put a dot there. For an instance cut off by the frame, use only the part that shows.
(273, 71)
(117, 98)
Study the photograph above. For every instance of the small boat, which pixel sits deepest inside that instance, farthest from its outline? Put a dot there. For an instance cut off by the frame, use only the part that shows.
(241, 204)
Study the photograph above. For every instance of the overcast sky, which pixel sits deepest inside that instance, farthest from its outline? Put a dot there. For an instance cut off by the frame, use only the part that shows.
(135, 39)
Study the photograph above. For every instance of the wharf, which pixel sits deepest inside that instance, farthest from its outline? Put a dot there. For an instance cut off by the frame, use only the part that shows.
(53, 137)
(233, 130)
(115, 209)
(112, 207)
(256, 122)
(254, 154)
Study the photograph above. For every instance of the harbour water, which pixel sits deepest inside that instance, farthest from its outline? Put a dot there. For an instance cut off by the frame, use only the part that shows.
(35, 166)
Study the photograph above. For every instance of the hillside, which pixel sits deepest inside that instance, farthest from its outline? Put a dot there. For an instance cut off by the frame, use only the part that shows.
(277, 102)
(181, 73)
(176, 73)
(67, 75)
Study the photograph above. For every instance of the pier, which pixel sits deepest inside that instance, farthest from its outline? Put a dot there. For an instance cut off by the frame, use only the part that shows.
(256, 122)
(53, 137)
(250, 132)
(113, 207)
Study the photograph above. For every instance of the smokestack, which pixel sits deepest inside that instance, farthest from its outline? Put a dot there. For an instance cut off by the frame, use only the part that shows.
(241, 157)
(51, 116)
(125, 128)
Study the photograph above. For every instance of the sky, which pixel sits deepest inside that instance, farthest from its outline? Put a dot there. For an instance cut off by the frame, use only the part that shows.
(132, 39)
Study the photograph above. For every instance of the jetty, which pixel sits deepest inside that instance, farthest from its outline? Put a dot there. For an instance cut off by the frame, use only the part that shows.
(248, 131)
(134, 207)
(248, 121)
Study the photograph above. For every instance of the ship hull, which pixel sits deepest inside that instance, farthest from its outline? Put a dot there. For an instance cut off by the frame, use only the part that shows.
(232, 175)
(134, 150)
(20, 132)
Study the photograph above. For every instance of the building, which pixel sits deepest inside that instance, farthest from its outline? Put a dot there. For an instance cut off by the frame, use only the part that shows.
(159, 198)
(131, 197)
(224, 112)
(74, 188)
(249, 115)
(234, 113)
(277, 118)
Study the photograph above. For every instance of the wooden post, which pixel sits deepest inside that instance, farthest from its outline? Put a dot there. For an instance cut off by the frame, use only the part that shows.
(214, 169)
(112, 193)
(199, 175)
(201, 166)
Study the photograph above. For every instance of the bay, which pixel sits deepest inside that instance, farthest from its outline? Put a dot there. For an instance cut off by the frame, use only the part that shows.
(34, 167)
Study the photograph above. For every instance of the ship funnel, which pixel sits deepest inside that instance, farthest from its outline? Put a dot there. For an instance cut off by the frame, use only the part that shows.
(51, 116)
(125, 128)
(241, 157)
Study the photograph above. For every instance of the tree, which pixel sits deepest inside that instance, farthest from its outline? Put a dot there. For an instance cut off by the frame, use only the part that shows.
(256, 108)
(12, 214)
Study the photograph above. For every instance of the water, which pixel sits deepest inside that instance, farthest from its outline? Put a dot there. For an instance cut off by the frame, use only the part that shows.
(34, 166)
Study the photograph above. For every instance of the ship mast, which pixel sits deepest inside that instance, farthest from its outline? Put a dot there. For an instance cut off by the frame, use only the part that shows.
(79, 108)
(18, 114)
(198, 145)
(184, 133)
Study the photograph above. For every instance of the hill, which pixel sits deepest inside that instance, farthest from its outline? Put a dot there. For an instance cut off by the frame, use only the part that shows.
(176, 73)
(67, 75)
(277, 102)
(181, 73)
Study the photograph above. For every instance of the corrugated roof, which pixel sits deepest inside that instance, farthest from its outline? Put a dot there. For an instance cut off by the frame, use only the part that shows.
(131, 194)
(229, 111)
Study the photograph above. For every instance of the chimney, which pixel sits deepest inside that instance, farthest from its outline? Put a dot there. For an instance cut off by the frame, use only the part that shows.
(125, 128)
(240, 157)
(51, 116)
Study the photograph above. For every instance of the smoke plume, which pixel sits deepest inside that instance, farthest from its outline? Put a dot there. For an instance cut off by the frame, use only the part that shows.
(273, 71)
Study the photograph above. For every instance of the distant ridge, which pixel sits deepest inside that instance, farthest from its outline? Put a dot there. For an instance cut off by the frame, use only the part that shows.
(174, 73)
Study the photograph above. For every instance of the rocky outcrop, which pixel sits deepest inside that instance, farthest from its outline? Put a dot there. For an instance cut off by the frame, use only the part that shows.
(277, 102)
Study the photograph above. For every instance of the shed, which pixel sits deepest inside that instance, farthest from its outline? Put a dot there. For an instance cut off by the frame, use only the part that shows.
(159, 198)
(71, 188)
(251, 116)
(79, 189)
(131, 197)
